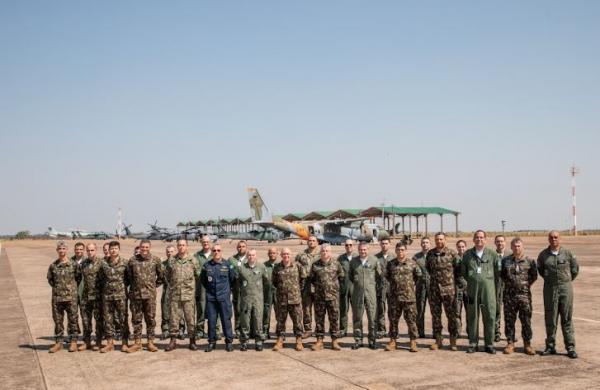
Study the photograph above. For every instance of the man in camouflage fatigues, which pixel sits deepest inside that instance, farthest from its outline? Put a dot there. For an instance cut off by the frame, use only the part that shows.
(386, 254)
(288, 280)
(252, 279)
(518, 274)
(402, 274)
(78, 258)
(366, 274)
(144, 273)
(558, 267)
(422, 287)
(345, 285)
(325, 275)
(165, 309)
(461, 291)
(63, 276)
(441, 264)
(306, 258)
(181, 274)
(112, 277)
(237, 261)
(91, 299)
(500, 242)
(269, 292)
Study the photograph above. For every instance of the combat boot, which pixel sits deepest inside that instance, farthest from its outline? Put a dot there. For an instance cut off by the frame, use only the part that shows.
(299, 346)
(193, 346)
(98, 345)
(172, 345)
(151, 347)
(137, 345)
(58, 345)
(73, 345)
(278, 344)
(335, 345)
(306, 334)
(438, 343)
(510, 348)
(110, 346)
(318, 345)
(528, 349)
(453, 344)
(413, 346)
(124, 345)
(84, 345)
(391, 346)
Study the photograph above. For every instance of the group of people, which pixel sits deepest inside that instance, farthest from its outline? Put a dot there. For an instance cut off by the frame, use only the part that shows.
(203, 289)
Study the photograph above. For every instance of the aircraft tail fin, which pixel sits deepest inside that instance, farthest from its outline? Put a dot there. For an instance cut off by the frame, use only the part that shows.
(258, 207)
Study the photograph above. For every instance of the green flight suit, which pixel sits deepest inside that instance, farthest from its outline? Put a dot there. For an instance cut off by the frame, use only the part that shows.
(236, 261)
(558, 270)
(345, 291)
(382, 293)
(269, 298)
(422, 292)
(500, 294)
(365, 279)
(480, 275)
(251, 281)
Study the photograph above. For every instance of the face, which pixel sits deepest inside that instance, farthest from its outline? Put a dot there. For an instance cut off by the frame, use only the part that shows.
(61, 251)
(401, 253)
(205, 244)
(182, 247)
(425, 245)
(170, 251)
(79, 249)
(114, 251)
(363, 251)
(554, 239)
(517, 248)
(217, 255)
(242, 248)
(272, 254)
(385, 246)
(136, 251)
(145, 249)
(252, 256)
(105, 250)
(440, 241)
(91, 250)
(286, 257)
(500, 244)
(461, 247)
(479, 240)
(312, 242)
(349, 246)
(326, 254)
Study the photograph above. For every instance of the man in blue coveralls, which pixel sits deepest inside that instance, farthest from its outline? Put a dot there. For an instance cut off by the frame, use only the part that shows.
(216, 277)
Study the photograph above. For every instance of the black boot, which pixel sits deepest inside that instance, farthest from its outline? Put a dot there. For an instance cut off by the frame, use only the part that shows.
(172, 345)
(210, 347)
(193, 346)
(229, 347)
(571, 353)
(490, 350)
(549, 351)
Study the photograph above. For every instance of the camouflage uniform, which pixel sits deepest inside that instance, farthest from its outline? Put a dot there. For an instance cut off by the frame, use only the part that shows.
(499, 295)
(181, 274)
(202, 259)
(288, 282)
(236, 261)
(144, 274)
(422, 292)
(558, 271)
(326, 278)
(345, 291)
(461, 298)
(382, 294)
(442, 266)
(365, 279)
(113, 284)
(165, 305)
(518, 275)
(402, 277)
(79, 292)
(269, 298)
(64, 278)
(306, 259)
(251, 281)
(91, 299)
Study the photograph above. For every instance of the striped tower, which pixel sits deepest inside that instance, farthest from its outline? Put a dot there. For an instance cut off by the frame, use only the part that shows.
(574, 172)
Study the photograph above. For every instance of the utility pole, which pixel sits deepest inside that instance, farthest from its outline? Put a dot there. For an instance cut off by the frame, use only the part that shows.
(574, 172)
(503, 222)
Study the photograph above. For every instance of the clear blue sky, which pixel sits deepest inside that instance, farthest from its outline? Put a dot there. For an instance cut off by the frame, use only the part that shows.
(171, 109)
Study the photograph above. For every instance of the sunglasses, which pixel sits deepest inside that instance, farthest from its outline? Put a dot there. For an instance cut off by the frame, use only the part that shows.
(216, 250)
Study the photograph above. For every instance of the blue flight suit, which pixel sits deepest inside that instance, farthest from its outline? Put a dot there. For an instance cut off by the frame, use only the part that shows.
(217, 279)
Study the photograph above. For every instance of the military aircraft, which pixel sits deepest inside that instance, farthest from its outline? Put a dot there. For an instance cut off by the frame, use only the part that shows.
(263, 234)
(334, 231)
(165, 234)
(56, 234)
(93, 235)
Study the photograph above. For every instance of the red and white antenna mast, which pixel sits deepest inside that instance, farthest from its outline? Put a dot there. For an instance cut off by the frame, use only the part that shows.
(574, 172)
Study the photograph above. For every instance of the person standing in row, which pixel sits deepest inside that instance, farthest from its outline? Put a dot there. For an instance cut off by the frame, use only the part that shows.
(236, 261)
(165, 309)
(91, 300)
(422, 288)
(383, 256)
(461, 291)
(345, 285)
(203, 256)
(252, 278)
(306, 259)
(500, 243)
(269, 292)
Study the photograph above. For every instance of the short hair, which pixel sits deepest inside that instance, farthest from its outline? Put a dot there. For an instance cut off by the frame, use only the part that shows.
(363, 243)
(286, 250)
(515, 240)
(106, 244)
(79, 243)
(440, 234)
(425, 238)
(479, 231)
(136, 248)
(61, 244)
(459, 241)
(145, 241)
(114, 243)
(498, 236)
(384, 239)
(325, 246)
(92, 244)
(170, 246)
(182, 239)
(242, 242)
(400, 245)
